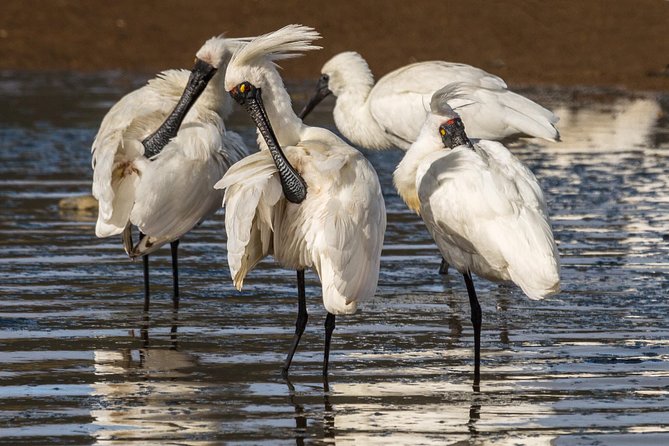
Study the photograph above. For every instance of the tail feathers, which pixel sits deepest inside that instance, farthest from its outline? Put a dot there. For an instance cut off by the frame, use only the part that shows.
(104, 229)
(498, 105)
(541, 284)
(259, 246)
(538, 294)
(529, 117)
(533, 260)
(114, 214)
(147, 245)
(334, 300)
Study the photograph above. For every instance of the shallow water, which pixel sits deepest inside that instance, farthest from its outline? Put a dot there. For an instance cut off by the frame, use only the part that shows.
(81, 363)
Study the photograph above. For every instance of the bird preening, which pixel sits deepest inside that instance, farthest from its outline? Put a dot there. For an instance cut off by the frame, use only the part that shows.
(164, 161)
(158, 153)
(484, 209)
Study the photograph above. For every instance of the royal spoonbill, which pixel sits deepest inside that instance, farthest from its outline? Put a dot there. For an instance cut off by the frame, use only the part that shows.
(158, 153)
(307, 198)
(392, 112)
(484, 209)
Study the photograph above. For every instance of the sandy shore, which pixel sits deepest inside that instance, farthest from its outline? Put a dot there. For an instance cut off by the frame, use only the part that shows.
(568, 42)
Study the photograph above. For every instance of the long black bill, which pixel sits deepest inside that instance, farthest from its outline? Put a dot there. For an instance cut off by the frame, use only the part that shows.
(250, 97)
(200, 76)
(453, 134)
(322, 91)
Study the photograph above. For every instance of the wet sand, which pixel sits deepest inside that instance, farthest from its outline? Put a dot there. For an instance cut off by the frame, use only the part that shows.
(620, 43)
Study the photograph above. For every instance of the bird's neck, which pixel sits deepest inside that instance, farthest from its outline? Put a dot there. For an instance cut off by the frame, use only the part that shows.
(212, 103)
(354, 118)
(286, 124)
(427, 143)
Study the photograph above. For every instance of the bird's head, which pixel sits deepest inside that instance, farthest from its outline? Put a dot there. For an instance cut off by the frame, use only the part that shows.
(453, 134)
(451, 129)
(213, 57)
(245, 92)
(253, 68)
(218, 51)
(345, 71)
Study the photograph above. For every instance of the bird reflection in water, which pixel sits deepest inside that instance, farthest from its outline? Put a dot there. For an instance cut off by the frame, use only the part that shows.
(135, 391)
(301, 418)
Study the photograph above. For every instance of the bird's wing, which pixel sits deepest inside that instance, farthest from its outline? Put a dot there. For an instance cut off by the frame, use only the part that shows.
(344, 223)
(531, 251)
(400, 100)
(252, 191)
(491, 207)
(176, 190)
(117, 155)
(496, 113)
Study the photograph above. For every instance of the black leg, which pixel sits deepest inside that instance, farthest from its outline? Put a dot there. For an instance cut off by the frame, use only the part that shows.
(443, 268)
(145, 329)
(175, 273)
(173, 330)
(145, 260)
(477, 318)
(300, 419)
(329, 328)
(301, 322)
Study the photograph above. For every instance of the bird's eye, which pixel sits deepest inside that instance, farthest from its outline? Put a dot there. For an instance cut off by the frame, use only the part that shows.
(242, 88)
(325, 77)
(442, 131)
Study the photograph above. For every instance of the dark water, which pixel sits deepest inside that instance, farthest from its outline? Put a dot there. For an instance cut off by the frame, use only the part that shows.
(82, 364)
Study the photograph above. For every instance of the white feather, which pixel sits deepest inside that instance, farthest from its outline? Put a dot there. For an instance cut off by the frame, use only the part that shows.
(168, 195)
(285, 43)
(338, 229)
(392, 112)
(484, 209)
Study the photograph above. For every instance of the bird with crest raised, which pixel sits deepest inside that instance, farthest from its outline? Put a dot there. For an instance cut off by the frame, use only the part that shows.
(307, 198)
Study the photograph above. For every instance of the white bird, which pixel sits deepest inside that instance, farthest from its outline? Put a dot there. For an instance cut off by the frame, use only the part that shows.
(392, 112)
(484, 209)
(158, 154)
(315, 204)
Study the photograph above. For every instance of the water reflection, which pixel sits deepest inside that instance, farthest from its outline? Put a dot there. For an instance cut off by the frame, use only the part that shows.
(136, 394)
(302, 421)
(618, 124)
(589, 365)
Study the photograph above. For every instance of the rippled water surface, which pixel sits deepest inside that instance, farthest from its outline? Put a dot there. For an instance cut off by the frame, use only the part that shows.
(81, 363)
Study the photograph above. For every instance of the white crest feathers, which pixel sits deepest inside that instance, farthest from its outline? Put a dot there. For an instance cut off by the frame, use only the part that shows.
(285, 43)
(455, 90)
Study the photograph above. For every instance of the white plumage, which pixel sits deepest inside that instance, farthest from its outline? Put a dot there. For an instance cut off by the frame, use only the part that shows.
(167, 195)
(483, 207)
(338, 229)
(392, 112)
(486, 213)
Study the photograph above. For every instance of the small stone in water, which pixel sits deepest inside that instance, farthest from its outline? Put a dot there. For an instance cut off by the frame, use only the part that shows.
(79, 203)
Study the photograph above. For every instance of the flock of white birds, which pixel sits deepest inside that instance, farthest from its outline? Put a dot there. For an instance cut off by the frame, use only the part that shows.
(164, 160)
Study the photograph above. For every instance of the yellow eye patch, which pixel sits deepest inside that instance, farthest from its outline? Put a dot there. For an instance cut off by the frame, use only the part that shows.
(242, 88)
(442, 131)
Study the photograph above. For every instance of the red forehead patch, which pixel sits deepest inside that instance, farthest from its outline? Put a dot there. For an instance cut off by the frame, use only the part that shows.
(450, 121)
